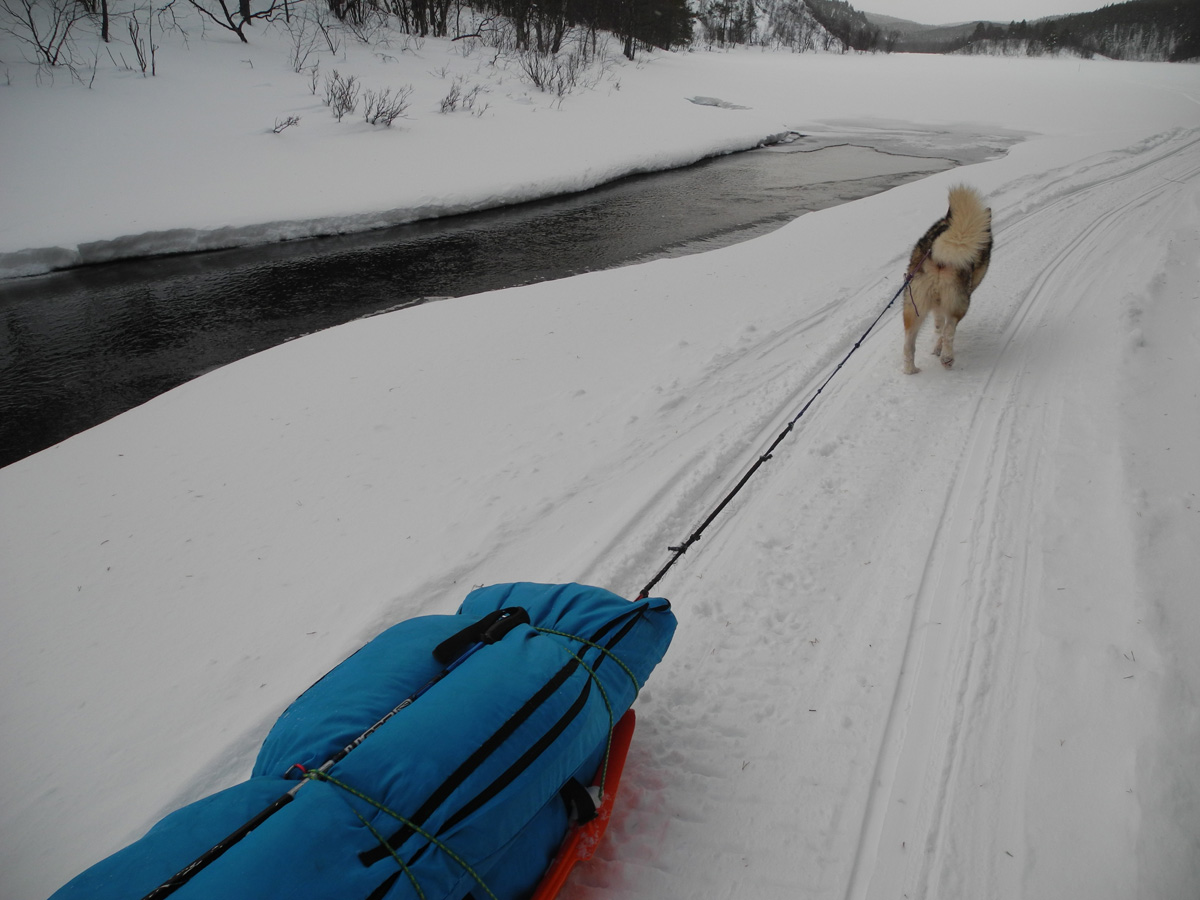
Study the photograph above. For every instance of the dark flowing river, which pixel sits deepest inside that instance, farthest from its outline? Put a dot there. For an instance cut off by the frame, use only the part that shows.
(81, 346)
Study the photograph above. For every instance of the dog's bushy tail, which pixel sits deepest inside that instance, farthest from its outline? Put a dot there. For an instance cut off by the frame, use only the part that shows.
(970, 231)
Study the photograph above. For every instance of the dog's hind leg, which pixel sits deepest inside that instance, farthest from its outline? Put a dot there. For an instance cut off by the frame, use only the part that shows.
(939, 323)
(955, 304)
(912, 325)
(945, 344)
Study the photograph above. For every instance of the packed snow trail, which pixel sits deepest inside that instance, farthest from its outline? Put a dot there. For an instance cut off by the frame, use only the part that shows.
(906, 577)
(991, 587)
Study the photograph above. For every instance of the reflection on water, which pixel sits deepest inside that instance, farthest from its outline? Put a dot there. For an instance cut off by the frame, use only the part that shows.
(79, 347)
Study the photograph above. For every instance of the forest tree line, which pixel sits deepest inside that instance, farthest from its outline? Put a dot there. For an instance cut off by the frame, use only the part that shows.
(46, 27)
(1167, 30)
(1137, 29)
(1162, 30)
(538, 25)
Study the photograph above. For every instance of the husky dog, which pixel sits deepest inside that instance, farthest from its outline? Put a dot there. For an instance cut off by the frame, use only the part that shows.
(946, 266)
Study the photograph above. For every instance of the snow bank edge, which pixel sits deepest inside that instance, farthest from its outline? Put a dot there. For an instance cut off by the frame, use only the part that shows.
(176, 241)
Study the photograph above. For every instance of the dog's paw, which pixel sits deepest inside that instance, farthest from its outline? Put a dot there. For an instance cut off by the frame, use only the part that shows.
(910, 369)
(947, 362)
(937, 348)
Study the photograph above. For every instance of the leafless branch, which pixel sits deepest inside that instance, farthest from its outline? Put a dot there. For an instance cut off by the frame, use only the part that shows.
(282, 124)
(42, 26)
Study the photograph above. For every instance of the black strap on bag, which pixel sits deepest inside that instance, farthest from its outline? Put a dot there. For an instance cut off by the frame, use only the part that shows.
(487, 630)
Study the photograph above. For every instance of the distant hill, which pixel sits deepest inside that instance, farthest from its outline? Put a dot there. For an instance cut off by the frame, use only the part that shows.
(1162, 30)
(1140, 29)
(891, 23)
(913, 37)
(903, 36)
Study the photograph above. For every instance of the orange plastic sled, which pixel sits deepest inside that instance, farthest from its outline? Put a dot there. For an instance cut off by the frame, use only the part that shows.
(582, 840)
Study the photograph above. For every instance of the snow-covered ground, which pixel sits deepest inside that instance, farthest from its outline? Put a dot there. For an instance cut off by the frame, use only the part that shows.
(944, 645)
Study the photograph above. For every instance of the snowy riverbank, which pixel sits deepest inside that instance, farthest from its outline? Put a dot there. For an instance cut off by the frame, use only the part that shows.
(945, 645)
(187, 160)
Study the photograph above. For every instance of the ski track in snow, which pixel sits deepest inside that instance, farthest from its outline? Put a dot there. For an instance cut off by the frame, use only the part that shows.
(946, 684)
(985, 653)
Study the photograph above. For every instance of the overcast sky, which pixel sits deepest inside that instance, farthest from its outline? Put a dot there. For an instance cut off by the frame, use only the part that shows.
(944, 12)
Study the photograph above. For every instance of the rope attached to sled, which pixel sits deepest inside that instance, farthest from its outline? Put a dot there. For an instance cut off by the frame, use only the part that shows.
(678, 550)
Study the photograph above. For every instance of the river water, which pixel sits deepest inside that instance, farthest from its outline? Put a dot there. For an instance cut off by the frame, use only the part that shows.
(81, 346)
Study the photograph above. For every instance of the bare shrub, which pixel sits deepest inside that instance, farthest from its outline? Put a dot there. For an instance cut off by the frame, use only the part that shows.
(283, 124)
(451, 100)
(471, 97)
(461, 97)
(538, 68)
(556, 74)
(333, 40)
(145, 55)
(384, 107)
(305, 37)
(341, 94)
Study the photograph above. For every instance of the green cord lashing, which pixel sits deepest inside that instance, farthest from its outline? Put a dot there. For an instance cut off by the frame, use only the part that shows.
(574, 637)
(600, 684)
(408, 823)
(396, 856)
